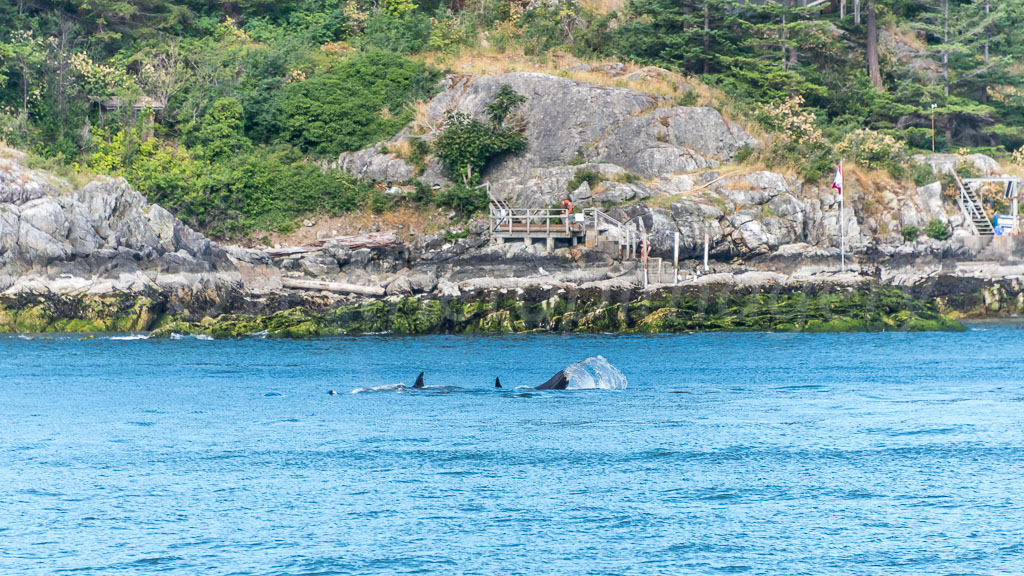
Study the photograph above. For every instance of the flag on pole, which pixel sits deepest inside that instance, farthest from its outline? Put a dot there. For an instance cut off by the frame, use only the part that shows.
(837, 185)
(837, 182)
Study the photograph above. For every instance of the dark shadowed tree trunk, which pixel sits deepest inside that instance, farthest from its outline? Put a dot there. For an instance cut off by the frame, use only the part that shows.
(871, 54)
(707, 35)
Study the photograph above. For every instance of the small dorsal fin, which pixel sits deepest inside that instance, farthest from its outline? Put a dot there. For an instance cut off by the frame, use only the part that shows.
(497, 382)
(419, 381)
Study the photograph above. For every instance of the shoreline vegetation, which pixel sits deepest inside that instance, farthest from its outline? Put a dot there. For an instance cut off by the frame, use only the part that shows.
(684, 309)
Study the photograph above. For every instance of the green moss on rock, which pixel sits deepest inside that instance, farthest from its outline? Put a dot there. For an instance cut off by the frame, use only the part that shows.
(680, 310)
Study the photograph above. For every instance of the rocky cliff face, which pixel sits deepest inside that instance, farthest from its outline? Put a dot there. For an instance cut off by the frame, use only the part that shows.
(573, 125)
(663, 164)
(102, 237)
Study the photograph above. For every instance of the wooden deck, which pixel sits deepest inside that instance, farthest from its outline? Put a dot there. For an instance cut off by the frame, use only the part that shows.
(552, 225)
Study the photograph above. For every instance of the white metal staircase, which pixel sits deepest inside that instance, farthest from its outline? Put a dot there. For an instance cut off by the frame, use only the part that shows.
(973, 209)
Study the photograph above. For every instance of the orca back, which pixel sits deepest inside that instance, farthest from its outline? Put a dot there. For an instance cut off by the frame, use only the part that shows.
(556, 382)
(419, 381)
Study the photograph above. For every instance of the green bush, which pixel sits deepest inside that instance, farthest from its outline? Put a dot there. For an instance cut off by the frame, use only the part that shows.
(922, 174)
(743, 154)
(936, 230)
(359, 102)
(406, 34)
(419, 149)
(910, 233)
(875, 150)
(467, 145)
(503, 102)
(453, 236)
(688, 98)
(583, 175)
(626, 178)
(221, 133)
(463, 199)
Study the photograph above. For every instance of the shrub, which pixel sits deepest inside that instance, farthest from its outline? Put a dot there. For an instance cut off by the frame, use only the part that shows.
(467, 145)
(503, 102)
(791, 121)
(922, 174)
(910, 233)
(406, 34)
(453, 236)
(361, 101)
(466, 200)
(743, 154)
(582, 175)
(380, 202)
(221, 131)
(936, 230)
(446, 35)
(874, 150)
(688, 98)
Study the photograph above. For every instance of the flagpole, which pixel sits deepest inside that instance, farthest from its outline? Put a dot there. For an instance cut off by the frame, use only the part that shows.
(842, 233)
(838, 183)
(842, 222)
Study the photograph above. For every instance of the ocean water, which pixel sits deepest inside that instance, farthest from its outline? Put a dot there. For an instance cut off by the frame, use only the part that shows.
(840, 454)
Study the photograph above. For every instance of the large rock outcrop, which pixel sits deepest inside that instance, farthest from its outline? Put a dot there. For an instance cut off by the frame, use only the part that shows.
(101, 237)
(611, 130)
(658, 163)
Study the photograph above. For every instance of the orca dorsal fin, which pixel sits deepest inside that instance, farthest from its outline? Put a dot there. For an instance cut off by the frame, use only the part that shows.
(419, 381)
(497, 382)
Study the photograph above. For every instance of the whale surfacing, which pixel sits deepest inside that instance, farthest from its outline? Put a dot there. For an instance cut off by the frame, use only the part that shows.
(556, 382)
(419, 381)
(497, 382)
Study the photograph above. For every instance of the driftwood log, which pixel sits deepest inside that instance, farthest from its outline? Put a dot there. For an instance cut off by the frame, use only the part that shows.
(332, 286)
(351, 242)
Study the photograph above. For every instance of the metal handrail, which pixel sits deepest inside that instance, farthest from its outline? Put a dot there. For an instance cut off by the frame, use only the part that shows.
(970, 206)
(501, 216)
(504, 219)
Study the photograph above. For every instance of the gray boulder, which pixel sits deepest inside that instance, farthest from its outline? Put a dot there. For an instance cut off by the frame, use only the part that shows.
(374, 164)
(47, 216)
(38, 248)
(581, 193)
(400, 286)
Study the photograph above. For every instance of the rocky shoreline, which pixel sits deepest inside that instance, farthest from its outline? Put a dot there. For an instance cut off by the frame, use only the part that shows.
(99, 257)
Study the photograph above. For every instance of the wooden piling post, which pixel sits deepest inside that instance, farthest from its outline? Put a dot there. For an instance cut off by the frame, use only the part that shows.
(705, 247)
(675, 253)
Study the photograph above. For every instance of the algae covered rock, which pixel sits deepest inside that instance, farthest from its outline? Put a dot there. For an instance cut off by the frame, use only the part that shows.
(80, 312)
(724, 308)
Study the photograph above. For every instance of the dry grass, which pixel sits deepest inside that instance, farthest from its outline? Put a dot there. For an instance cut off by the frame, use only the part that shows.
(911, 38)
(408, 221)
(402, 149)
(489, 61)
(421, 120)
(603, 6)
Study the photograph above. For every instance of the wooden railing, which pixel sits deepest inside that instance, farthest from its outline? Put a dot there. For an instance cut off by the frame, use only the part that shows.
(531, 221)
(506, 221)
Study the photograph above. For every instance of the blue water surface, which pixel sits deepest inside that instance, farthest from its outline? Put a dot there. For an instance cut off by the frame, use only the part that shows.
(840, 454)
